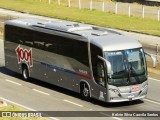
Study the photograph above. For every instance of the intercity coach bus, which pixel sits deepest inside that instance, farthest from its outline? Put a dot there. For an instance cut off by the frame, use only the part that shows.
(95, 62)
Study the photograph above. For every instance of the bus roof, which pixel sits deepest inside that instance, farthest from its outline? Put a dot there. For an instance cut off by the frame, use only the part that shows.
(107, 40)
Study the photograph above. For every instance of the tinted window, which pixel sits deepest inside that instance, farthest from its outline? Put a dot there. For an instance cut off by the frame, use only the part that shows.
(68, 47)
(49, 42)
(19, 35)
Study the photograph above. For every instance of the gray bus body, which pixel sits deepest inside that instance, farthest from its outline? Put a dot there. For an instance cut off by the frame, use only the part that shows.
(95, 62)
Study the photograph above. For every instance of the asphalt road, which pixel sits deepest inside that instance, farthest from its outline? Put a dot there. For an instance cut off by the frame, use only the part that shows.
(39, 96)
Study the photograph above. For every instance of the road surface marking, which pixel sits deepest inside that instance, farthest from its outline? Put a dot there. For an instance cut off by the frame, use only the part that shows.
(73, 103)
(27, 108)
(17, 104)
(152, 101)
(154, 79)
(53, 118)
(116, 118)
(40, 92)
(13, 82)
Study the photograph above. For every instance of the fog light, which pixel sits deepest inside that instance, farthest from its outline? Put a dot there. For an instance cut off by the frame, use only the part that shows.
(111, 98)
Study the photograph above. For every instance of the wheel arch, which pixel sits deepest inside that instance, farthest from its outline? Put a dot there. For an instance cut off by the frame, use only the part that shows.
(85, 82)
(23, 65)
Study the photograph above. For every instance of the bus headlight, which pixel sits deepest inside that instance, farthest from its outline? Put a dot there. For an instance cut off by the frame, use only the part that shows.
(144, 87)
(115, 91)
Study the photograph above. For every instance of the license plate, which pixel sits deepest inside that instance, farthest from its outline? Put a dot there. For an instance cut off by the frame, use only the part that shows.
(130, 95)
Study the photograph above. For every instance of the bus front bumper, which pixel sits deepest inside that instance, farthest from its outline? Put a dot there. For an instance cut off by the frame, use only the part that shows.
(129, 96)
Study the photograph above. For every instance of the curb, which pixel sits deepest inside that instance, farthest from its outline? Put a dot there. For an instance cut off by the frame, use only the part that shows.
(3, 104)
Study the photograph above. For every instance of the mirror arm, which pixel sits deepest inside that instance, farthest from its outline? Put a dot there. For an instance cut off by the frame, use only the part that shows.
(101, 58)
(154, 60)
(109, 71)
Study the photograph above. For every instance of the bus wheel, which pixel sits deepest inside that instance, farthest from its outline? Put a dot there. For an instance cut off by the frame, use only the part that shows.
(85, 92)
(25, 73)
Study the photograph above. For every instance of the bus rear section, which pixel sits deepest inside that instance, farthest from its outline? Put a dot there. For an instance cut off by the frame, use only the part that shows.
(56, 57)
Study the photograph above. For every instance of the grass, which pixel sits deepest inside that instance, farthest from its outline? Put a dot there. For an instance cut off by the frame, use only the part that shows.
(13, 108)
(95, 17)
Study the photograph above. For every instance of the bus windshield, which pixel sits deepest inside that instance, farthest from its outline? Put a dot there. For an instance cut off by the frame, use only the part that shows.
(128, 67)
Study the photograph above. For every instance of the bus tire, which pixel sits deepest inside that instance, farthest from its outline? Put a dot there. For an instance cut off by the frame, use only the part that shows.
(25, 73)
(85, 92)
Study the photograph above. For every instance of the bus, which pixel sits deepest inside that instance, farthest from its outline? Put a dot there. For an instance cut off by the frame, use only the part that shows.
(96, 62)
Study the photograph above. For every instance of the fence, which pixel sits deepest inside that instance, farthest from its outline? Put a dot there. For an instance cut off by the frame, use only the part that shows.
(130, 9)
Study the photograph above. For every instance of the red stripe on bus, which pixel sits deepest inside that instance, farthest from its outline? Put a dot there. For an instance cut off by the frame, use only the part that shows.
(83, 75)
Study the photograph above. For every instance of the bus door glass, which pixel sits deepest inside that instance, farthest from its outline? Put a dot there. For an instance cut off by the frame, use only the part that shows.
(101, 79)
(99, 72)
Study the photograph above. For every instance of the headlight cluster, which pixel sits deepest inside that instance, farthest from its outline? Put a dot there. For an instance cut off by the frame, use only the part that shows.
(115, 91)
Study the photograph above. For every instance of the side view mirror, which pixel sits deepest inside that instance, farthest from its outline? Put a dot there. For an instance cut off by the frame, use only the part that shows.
(154, 60)
(108, 64)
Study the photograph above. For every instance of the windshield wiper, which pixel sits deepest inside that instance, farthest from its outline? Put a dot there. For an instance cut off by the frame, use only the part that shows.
(120, 74)
(133, 73)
